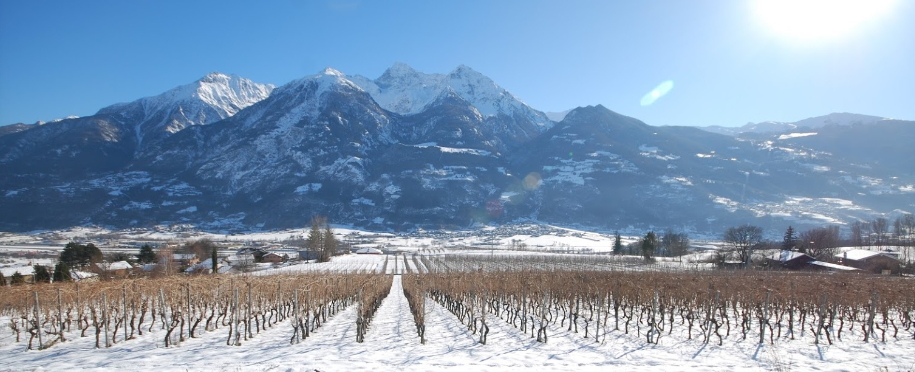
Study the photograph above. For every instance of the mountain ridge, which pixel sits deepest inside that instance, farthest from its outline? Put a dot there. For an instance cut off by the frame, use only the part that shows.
(472, 153)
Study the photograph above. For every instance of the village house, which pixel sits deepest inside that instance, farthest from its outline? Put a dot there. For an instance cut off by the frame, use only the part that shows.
(878, 262)
(273, 258)
(206, 267)
(27, 272)
(799, 261)
(111, 270)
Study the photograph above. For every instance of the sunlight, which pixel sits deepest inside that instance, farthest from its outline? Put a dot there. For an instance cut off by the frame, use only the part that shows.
(818, 20)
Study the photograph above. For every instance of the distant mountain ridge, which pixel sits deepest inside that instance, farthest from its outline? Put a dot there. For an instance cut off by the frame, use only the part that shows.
(409, 150)
(838, 119)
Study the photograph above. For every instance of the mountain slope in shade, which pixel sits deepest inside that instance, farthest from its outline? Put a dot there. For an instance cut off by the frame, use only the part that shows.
(326, 145)
(15, 128)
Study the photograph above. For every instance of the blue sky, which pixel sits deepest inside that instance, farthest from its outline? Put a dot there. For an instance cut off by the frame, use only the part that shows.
(727, 65)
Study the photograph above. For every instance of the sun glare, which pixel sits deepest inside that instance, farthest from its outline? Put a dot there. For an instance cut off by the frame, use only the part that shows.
(818, 20)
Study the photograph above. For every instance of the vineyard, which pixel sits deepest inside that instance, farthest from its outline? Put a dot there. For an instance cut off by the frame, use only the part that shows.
(184, 308)
(474, 304)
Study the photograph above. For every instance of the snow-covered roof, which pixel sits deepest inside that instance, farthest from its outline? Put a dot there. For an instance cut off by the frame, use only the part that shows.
(832, 266)
(80, 275)
(369, 251)
(861, 254)
(119, 265)
(24, 270)
(785, 256)
(208, 265)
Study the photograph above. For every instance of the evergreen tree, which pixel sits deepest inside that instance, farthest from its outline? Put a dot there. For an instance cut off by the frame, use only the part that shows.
(790, 241)
(330, 244)
(42, 275)
(617, 243)
(215, 261)
(146, 255)
(2, 280)
(17, 279)
(61, 273)
(78, 255)
(648, 244)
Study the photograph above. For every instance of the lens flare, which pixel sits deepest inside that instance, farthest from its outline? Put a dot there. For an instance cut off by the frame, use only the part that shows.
(660, 91)
(531, 181)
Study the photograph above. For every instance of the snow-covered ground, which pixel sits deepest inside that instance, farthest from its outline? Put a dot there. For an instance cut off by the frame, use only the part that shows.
(392, 344)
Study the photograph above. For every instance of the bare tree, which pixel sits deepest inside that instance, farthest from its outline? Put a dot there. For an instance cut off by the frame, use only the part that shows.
(857, 234)
(315, 241)
(742, 240)
(202, 248)
(674, 244)
(820, 243)
(881, 226)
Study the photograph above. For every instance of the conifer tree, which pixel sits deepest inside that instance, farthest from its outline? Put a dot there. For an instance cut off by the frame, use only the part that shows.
(649, 243)
(215, 262)
(62, 273)
(790, 241)
(2, 280)
(17, 279)
(330, 244)
(42, 275)
(617, 243)
(146, 255)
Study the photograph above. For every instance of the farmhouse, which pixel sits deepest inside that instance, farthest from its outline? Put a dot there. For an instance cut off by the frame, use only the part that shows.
(800, 261)
(119, 269)
(27, 272)
(878, 262)
(273, 258)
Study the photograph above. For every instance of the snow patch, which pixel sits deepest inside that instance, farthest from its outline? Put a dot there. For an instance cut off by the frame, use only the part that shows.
(190, 209)
(796, 135)
(307, 188)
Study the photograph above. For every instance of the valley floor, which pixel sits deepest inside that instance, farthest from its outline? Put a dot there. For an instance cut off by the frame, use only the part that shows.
(392, 344)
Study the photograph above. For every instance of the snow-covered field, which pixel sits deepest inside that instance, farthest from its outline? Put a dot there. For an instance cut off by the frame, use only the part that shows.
(392, 344)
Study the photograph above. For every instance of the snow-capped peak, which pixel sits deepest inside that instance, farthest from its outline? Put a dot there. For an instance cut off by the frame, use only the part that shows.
(213, 97)
(332, 72)
(399, 69)
(226, 94)
(404, 90)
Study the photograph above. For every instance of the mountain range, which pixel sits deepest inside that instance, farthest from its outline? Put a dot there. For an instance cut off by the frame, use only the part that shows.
(414, 150)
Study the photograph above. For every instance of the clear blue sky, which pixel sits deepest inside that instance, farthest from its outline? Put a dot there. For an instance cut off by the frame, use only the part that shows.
(727, 64)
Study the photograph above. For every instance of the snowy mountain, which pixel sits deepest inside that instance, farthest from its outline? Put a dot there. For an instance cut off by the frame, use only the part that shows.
(214, 97)
(109, 140)
(412, 150)
(834, 119)
(405, 91)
